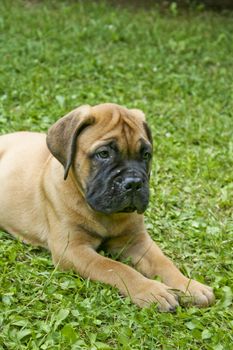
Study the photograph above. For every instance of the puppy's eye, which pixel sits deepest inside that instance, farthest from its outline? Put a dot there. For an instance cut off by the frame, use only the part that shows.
(146, 155)
(103, 154)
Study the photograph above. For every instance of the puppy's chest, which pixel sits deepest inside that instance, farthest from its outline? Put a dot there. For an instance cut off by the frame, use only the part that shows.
(107, 238)
(100, 230)
(104, 230)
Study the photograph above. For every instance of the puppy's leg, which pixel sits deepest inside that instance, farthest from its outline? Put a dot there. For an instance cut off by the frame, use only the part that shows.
(150, 261)
(79, 254)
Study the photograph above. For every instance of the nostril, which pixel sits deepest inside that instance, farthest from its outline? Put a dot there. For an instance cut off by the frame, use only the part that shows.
(119, 179)
(132, 183)
(138, 185)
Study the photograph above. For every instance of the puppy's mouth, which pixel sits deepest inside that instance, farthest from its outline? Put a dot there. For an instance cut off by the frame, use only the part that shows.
(129, 209)
(119, 199)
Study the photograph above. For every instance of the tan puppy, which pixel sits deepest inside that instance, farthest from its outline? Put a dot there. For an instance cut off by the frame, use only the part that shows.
(87, 188)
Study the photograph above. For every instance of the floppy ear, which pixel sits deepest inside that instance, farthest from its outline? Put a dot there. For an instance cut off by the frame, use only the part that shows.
(141, 115)
(62, 136)
(148, 132)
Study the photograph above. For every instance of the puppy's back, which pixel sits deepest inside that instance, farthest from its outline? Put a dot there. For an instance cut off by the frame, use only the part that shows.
(23, 156)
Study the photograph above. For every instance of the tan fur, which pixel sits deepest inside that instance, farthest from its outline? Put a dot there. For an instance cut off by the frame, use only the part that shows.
(40, 208)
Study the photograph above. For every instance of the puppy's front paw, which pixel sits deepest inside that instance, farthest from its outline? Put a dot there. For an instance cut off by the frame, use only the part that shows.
(199, 294)
(155, 292)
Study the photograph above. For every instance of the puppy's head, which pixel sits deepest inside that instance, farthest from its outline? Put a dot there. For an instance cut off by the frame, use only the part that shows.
(109, 149)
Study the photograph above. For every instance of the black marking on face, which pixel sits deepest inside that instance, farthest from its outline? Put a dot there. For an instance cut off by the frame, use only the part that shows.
(119, 182)
(148, 132)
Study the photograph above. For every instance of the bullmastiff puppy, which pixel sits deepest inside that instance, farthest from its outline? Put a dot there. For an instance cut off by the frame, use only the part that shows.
(83, 186)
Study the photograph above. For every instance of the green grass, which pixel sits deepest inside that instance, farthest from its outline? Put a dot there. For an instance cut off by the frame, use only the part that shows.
(178, 68)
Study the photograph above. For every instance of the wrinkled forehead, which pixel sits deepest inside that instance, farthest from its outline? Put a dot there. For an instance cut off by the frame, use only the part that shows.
(116, 125)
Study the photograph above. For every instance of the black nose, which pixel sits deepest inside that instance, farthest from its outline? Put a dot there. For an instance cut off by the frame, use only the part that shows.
(132, 183)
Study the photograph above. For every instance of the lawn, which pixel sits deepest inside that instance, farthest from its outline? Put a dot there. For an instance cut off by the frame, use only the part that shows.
(177, 66)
